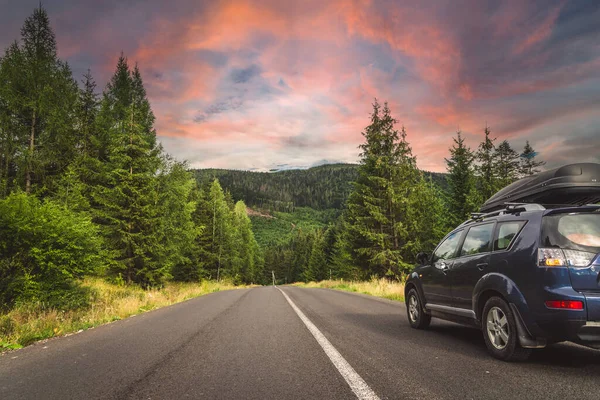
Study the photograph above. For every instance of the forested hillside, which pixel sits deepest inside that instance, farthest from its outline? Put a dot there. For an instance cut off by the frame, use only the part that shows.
(391, 211)
(323, 187)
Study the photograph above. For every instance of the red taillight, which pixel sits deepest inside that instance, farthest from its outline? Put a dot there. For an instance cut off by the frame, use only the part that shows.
(565, 304)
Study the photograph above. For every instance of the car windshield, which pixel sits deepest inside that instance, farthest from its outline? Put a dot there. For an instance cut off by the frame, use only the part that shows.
(572, 231)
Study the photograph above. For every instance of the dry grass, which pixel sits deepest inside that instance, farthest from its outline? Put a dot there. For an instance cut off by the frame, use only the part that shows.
(375, 287)
(25, 325)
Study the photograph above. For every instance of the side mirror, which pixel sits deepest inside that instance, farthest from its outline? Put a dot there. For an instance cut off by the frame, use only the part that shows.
(423, 258)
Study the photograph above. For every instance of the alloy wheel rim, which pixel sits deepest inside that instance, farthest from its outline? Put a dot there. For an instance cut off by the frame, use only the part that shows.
(497, 328)
(413, 308)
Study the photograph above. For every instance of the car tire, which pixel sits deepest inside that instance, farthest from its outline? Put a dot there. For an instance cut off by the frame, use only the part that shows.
(500, 331)
(414, 310)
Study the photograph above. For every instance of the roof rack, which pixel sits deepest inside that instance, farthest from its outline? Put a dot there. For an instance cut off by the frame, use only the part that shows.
(527, 206)
(511, 208)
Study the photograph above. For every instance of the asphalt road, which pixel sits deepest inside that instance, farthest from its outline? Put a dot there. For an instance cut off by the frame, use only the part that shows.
(252, 344)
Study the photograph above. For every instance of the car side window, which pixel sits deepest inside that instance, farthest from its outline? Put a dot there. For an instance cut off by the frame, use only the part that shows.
(478, 240)
(447, 249)
(507, 231)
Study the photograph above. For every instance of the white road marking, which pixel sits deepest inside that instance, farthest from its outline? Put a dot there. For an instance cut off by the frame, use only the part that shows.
(356, 383)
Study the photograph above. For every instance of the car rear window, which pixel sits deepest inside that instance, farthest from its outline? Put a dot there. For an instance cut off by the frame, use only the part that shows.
(572, 231)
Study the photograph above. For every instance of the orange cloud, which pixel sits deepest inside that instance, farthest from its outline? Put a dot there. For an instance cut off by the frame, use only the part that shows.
(413, 32)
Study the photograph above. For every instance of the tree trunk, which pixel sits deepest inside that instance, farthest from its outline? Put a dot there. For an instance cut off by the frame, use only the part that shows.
(393, 222)
(220, 252)
(31, 148)
(6, 169)
(131, 144)
(214, 224)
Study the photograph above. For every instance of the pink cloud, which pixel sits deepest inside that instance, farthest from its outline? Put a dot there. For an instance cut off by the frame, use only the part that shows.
(319, 82)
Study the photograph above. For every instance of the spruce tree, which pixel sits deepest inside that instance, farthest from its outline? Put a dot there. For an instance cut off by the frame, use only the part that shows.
(388, 191)
(40, 64)
(372, 204)
(125, 201)
(74, 188)
(317, 262)
(329, 239)
(507, 164)
(87, 112)
(218, 229)
(241, 258)
(342, 262)
(201, 256)
(528, 163)
(13, 133)
(246, 263)
(39, 94)
(462, 198)
(177, 231)
(486, 158)
(426, 221)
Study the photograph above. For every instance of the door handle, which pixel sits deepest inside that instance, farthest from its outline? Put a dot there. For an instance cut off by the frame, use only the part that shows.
(481, 266)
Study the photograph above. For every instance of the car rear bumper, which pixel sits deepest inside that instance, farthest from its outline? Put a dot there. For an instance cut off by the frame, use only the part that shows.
(589, 334)
(557, 325)
(592, 305)
(586, 333)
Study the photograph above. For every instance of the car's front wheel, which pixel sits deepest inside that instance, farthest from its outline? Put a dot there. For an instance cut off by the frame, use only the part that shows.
(500, 331)
(414, 309)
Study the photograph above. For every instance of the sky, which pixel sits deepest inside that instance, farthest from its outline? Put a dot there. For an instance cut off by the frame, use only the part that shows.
(262, 84)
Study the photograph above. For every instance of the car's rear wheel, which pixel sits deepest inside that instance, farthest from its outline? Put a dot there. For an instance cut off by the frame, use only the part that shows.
(500, 331)
(414, 309)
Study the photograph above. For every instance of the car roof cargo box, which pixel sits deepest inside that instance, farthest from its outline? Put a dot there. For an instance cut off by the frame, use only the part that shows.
(574, 184)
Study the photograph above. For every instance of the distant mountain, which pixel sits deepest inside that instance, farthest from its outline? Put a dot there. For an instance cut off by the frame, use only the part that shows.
(323, 187)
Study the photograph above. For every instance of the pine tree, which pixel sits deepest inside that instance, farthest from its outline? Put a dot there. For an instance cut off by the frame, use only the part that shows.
(74, 188)
(371, 205)
(462, 198)
(507, 164)
(40, 61)
(38, 94)
(87, 112)
(13, 133)
(246, 265)
(241, 258)
(342, 261)
(486, 158)
(201, 256)
(381, 233)
(329, 239)
(219, 228)
(317, 263)
(177, 230)
(125, 200)
(528, 164)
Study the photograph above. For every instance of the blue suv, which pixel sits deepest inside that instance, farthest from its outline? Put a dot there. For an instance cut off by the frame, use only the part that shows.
(526, 275)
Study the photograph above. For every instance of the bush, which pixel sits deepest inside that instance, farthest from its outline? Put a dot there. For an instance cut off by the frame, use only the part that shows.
(44, 250)
(7, 326)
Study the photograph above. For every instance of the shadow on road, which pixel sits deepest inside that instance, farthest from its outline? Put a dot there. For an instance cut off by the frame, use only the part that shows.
(469, 341)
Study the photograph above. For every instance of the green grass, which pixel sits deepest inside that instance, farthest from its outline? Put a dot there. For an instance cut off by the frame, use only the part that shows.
(376, 287)
(27, 324)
